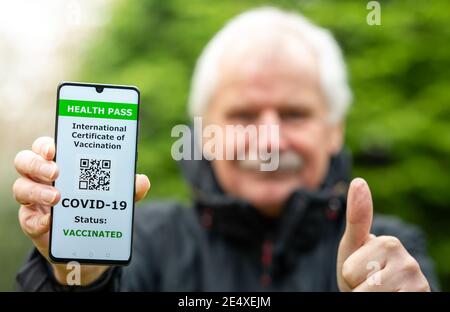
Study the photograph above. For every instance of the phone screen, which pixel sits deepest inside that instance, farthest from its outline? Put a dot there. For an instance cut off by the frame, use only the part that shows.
(96, 150)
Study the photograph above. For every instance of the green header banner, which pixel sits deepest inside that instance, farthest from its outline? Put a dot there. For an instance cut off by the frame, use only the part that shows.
(90, 109)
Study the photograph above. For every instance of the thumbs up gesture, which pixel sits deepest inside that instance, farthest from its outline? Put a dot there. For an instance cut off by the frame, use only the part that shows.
(369, 263)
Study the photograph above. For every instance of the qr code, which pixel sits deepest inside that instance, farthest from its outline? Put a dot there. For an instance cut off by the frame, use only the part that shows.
(95, 174)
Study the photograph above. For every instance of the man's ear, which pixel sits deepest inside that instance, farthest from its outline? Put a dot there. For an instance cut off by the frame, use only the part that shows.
(336, 141)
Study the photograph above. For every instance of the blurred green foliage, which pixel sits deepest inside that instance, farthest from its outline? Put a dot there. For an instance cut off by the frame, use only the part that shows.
(398, 128)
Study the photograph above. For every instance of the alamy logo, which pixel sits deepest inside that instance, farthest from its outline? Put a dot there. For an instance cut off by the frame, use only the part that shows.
(252, 144)
(374, 16)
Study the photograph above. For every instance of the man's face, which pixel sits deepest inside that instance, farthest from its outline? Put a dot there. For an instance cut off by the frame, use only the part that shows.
(274, 89)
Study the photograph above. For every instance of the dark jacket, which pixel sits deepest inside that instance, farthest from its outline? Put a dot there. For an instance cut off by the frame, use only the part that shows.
(223, 244)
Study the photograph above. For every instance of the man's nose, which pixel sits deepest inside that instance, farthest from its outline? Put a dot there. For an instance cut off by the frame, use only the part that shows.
(270, 135)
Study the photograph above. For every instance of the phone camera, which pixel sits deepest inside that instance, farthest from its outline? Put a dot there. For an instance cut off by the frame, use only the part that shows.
(99, 89)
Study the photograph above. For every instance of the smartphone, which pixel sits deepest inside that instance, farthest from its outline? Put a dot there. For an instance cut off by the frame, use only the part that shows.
(96, 137)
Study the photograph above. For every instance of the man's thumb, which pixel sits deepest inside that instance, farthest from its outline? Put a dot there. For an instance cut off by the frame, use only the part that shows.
(359, 216)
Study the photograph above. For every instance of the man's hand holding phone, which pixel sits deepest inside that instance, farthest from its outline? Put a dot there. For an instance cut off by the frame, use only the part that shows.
(36, 195)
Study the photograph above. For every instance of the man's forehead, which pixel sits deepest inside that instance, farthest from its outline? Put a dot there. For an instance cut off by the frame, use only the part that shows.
(268, 58)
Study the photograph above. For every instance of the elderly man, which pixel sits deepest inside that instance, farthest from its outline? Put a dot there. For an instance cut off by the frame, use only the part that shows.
(301, 227)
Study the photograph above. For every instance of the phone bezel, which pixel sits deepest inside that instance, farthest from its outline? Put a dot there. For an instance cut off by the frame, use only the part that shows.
(96, 261)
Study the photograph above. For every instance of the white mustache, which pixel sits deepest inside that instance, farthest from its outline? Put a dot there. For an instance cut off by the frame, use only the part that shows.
(289, 161)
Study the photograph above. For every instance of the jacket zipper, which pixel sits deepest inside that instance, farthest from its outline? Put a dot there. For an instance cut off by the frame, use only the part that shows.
(266, 261)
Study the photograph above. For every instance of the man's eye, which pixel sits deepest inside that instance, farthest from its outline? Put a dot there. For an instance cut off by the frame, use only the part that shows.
(293, 115)
(244, 116)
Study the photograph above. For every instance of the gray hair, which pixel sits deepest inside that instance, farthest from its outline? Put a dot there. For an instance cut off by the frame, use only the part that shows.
(332, 69)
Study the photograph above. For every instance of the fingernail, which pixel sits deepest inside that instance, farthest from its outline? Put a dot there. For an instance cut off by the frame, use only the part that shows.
(46, 150)
(48, 196)
(359, 181)
(48, 170)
